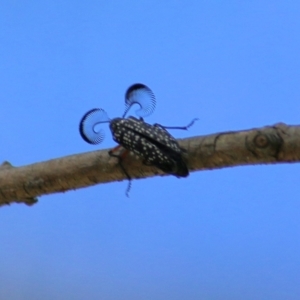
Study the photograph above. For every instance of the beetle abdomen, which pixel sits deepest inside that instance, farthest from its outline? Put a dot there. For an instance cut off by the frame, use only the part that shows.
(152, 143)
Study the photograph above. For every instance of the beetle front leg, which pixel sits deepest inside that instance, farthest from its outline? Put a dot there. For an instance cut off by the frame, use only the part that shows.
(182, 128)
(120, 158)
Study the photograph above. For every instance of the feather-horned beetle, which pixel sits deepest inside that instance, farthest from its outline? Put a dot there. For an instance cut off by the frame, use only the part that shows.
(152, 143)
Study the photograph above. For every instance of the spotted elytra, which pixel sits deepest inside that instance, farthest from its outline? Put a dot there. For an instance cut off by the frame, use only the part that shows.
(152, 143)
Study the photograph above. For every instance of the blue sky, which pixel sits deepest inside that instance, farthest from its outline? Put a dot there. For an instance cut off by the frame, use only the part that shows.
(221, 234)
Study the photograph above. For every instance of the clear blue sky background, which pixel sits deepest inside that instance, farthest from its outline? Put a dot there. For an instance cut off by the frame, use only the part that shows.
(222, 234)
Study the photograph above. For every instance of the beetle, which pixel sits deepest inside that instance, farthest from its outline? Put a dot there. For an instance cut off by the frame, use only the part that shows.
(152, 143)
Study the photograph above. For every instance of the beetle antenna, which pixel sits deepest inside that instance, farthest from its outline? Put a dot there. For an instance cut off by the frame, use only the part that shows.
(88, 123)
(142, 95)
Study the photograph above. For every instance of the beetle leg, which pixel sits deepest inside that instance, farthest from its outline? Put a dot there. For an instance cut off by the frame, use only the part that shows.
(182, 128)
(120, 158)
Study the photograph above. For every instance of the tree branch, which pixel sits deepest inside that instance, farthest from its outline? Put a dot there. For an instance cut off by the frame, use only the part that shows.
(272, 144)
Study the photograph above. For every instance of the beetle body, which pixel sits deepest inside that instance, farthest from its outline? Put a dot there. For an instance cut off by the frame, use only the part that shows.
(154, 144)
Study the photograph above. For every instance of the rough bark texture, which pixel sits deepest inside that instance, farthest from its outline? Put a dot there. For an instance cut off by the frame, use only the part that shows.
(272, 144)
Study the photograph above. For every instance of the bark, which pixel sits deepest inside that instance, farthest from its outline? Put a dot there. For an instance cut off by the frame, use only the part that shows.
(272, 144)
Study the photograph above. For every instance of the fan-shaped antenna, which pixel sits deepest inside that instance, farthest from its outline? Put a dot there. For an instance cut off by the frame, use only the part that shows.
(88, 123)
(140, 94)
